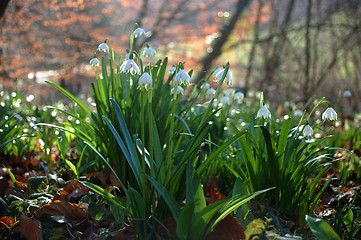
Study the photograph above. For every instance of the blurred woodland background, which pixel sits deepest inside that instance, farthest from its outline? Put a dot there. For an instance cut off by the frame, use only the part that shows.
(289, 49)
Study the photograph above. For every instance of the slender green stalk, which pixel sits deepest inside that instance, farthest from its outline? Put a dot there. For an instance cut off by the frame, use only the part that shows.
(144, 190)
(150, 122)
(171, 128)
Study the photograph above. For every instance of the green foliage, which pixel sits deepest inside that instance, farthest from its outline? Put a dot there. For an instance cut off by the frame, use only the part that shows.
(321, 229)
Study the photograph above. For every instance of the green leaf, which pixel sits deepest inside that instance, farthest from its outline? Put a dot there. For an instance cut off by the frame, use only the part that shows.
(194, 191)
(321, 229)
(185, 221)
(69, 95)
(104, 193)
(219, 150)
(348, 219)
(171, 202)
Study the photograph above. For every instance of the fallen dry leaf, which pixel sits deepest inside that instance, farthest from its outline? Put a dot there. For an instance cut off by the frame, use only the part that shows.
(227, 229)
(31, 227)
(122, 234)
(71, 211)
(170, 225)
(6, 222)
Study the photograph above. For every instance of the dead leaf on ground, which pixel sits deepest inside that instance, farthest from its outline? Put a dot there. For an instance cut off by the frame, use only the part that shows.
(31, 227)
(73, 190)
(227, 229)
(122, 234)
(71, 211)
(170, 225)
(6, 222)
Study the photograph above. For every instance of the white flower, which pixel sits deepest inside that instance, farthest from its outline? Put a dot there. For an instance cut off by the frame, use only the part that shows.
(225, 100)
(298, 113)
(182, 77)
(172, 70)
(103, 47)
(228, 92)
(210, 93)
(329, 114)
(228, 78)
(130, 66)
(263, 112)
(138, 32)
(206, 86)
(94, 62)
(180, 90)
(239, 96)
(216, 71)
(307, 131)
(149, 52)
(127, 56)
(346, 93)
(145, 81)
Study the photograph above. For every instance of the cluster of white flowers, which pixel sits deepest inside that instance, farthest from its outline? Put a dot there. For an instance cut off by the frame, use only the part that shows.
(182, 78)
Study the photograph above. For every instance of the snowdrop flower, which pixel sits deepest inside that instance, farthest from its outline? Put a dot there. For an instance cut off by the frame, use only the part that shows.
(145, 81)
(229, 92)
(130, 66)
(172, 70)
(298, 113)
(180, 90)
(182, 77)
(239, 96)
(225, 100)
(216, 71)
(228, 78)
(346, 93)
(210, 93)
(149, 52)
(127, 56)
(103, 47)
(138, 32)
(94, 62)
(206, 86)
(263, 112)
(307, 131)
(329, 114)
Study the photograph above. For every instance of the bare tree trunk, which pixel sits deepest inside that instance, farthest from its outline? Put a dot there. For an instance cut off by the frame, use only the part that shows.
(3, 6)
(273, 53)
(254, 43)
(227, 29)
(307, 51)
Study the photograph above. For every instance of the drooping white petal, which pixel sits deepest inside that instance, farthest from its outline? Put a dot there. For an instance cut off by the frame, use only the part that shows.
(182, 77)
(149, 52)
(298, 113)
(329, 114)
(347, 93)
(180, 90)
(94, 62)
(307, 131)
(239, 96)
(145, 81)
(103, 47)
(172, 70)
(138, 32)
(263, 112)
(210, 93)
(219, 75)
(129, 66)
(225, 100)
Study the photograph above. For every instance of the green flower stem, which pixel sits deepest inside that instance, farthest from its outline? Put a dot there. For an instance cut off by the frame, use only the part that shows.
(144, 190)
(150, 122)
(171, 129)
